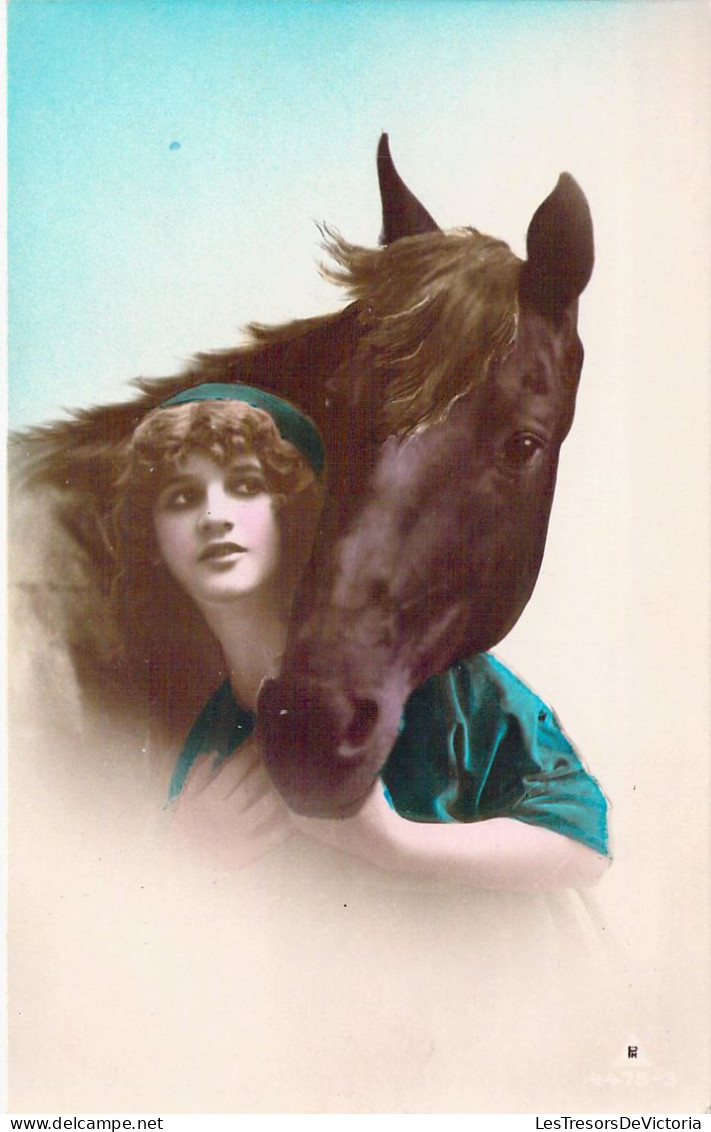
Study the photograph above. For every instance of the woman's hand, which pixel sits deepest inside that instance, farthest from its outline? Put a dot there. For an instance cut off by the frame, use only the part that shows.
(230, 816)
(501, 853)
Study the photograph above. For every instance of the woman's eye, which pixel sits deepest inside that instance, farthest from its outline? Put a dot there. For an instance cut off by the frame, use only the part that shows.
(179, 499)
(521, 449)
(246, 485)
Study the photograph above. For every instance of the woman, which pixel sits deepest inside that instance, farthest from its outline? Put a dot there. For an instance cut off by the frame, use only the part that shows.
(224, 479)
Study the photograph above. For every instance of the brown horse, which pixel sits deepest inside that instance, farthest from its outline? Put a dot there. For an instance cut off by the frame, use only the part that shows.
(443, 392)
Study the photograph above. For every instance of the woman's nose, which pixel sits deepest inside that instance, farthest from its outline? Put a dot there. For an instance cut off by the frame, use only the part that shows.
(215, 513)
(209, 522)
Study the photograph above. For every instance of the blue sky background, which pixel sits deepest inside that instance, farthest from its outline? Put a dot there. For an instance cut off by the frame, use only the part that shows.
(168, 159)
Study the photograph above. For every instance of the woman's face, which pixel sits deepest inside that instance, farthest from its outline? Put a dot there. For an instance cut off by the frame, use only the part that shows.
(217, 530)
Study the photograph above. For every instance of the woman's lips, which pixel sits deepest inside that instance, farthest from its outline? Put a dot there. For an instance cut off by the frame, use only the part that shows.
(217, 551)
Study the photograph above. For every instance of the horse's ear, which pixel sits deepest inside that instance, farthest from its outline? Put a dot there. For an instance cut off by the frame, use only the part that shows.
(560, 250)
(403, 215)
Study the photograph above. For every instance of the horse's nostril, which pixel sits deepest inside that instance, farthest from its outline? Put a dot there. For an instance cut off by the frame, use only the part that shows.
(364, 719)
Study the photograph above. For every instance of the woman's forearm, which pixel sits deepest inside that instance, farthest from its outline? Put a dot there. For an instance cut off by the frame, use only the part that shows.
(501, 853)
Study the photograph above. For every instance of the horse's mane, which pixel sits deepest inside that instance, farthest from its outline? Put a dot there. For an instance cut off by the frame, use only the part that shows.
(75, 450)
(408, 299)
(434, 311)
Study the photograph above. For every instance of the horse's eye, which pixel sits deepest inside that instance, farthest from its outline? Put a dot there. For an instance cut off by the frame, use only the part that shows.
(521, 449)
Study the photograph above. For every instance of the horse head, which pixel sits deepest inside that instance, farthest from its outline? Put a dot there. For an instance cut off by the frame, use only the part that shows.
(443, 391)
(451, 402)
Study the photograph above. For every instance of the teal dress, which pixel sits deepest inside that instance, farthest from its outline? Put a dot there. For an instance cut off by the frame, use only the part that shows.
(474, 743)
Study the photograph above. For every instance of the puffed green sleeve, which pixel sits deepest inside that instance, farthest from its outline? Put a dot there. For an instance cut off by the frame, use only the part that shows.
(477, 743)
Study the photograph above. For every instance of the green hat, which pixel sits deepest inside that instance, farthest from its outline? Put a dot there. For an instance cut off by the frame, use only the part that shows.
(293, 425)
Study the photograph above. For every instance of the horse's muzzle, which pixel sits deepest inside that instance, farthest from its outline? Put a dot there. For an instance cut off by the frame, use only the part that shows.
(317, 747)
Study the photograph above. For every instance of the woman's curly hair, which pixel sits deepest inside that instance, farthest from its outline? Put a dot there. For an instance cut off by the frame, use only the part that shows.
(170, 654)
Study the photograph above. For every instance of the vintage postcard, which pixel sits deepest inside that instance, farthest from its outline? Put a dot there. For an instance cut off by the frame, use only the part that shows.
(358, 661)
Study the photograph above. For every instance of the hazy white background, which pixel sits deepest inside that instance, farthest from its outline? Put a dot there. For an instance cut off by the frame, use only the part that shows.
(167, 164)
